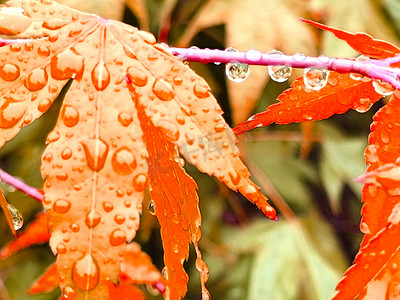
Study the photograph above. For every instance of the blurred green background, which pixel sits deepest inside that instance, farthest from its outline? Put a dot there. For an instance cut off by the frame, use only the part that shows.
(311, 166)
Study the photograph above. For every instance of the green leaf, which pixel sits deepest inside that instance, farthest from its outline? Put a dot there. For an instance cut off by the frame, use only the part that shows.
(342, 161)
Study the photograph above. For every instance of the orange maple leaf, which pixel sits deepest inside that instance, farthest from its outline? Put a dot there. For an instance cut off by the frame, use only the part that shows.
(100, 155)
(300, 104)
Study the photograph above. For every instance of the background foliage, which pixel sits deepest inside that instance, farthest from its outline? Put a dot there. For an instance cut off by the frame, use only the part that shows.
(312, 166)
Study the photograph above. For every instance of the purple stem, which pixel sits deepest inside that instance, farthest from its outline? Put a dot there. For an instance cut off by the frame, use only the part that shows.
(374, 69)
(20, 185)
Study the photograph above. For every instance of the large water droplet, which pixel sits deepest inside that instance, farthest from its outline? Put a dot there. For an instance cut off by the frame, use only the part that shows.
(201, 91)
(139, 182)
(100, 76)
(69, 115)
(44, 105)
(119, 219)
(117, 237)
(383, 88)
(108, 206)
(67, 153)
(17, 217)
(253, 55)
(169, 129)
(315, 78)
(9, 72)
(92, 219)
(96, 151)
(62, 206)
(163, 90)
(54, 24)
(147, 37)
(136, 76)
(236, 72)
(123, 161)
(279, 73)
(10, 115)
(43, 51)
(125, 119)
(36, 80)
(85, 273)
(152, 207)
(67, 65)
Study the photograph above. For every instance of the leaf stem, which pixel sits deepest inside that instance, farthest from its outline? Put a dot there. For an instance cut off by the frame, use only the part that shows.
(374, 69)
(22, 186)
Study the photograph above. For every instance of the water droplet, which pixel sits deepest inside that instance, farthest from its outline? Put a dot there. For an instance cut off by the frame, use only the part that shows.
(237, 72)
(69, 293)
(61, 249)
(315, 78)
(152, 207)
(44, 105)
(67, 153)
(169, 129)
(357, 76)
(17, 218)
(299, 56)
(53, 37)
(92, 219)
(219, 127)
(253, 55)
(235, 177)
(163, 90)
(74, 227)
(201, 91)
(62, 176)
(279, 73)
(36, 80)
(9, 72)
(180, 119)
(43, 51)
(69, 115)
(363, 105)
(62, 206)
(393, 268)
(119, 219)
(85, 273)
(100, 76)
(54, 24)
(123, 161)
(11, 114)
(117, 237)
(67, 65)
(383, 88)
(177, 80)
(107, 206)
(53, 136)
(96, 151)
(136, 76)
(147, 37)
(140, 182)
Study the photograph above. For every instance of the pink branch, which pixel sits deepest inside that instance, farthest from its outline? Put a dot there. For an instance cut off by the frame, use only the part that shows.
(374, 69)
(20, 185)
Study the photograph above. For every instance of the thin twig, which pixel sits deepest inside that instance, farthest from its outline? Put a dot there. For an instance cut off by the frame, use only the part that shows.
(20, 185)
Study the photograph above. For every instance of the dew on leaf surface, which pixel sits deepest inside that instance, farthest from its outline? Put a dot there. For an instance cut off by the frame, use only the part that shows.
(383, 88)
(315, 78)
